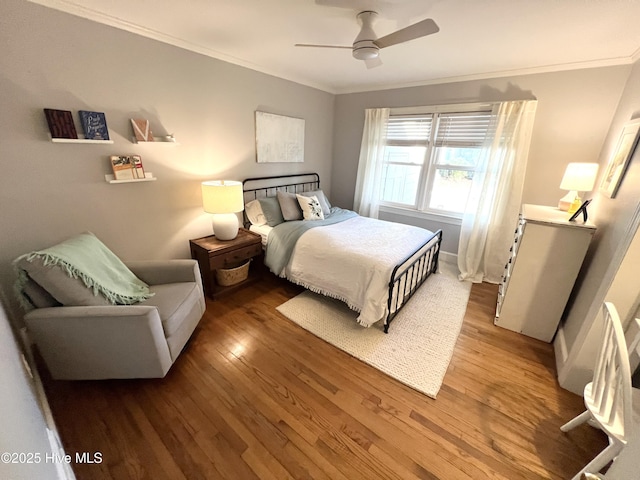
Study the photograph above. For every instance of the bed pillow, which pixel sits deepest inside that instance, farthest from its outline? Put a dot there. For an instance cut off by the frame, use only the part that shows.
(311, 209)
(271, 210)
(322, 198)
(289, 206)
(254, 212)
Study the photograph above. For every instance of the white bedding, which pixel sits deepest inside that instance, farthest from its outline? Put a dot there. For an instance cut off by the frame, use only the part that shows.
(263, 231)
(353, 260)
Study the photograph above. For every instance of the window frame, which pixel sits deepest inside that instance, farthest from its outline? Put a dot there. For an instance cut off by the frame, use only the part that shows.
(429, 165)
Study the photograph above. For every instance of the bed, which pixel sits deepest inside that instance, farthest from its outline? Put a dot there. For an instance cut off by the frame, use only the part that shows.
(379, 264)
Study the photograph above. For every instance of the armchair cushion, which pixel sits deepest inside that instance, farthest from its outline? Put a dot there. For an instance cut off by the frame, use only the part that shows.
(180, 306)
(172, 301)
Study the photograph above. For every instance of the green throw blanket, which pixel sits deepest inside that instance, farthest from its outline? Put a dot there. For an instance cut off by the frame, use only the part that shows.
(87, 258)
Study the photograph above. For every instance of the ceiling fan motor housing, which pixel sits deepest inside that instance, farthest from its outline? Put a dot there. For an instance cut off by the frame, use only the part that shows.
(363, 46)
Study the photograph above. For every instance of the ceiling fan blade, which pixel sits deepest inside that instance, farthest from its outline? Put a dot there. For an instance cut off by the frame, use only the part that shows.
(417, 30)
(323, 46)
(373, 62)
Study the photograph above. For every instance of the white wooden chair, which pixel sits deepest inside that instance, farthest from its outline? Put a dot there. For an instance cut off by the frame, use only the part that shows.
(609, 398)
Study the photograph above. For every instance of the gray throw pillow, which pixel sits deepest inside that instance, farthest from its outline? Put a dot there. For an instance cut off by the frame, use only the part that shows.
(271, 211)
(38, 296)
(65, 289)
(289, 206)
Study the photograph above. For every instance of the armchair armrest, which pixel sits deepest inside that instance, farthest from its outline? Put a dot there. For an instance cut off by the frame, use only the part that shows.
(158, 272)
(100, 342)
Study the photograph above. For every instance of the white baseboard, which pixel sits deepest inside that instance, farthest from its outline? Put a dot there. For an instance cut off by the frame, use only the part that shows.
(560, 346)
(447, 257)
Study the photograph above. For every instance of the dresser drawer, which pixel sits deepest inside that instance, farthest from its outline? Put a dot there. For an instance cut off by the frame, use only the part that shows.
(231, 259)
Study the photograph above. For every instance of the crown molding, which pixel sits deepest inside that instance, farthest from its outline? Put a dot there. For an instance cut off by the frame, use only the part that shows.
(609, 62)
(121, 24)
(99, 17)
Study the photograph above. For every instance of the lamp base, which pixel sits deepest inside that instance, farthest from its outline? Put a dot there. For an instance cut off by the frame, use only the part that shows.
(225, 226)
(565, 202)
(575, 205)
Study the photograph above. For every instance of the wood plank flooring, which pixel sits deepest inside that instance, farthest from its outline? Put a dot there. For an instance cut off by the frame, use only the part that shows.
(254, 396)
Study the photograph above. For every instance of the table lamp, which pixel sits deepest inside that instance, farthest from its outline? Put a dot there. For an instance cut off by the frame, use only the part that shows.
(223, 198)
(578, 177)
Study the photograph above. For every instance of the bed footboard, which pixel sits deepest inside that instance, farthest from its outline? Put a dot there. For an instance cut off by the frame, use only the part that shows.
(409, 274)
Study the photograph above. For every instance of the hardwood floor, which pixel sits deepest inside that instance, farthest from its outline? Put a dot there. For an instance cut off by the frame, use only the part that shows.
(254, 396)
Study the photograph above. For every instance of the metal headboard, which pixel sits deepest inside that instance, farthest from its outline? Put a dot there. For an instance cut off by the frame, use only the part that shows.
(259, 187)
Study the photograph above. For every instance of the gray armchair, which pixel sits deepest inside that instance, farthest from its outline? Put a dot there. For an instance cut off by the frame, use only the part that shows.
(123, 341)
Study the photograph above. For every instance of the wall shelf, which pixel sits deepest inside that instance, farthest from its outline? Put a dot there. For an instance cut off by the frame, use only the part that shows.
(148, 177)
(79, 140)
(156, 140)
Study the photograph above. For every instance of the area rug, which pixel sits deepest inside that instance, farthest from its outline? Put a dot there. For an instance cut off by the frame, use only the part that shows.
(421, 339)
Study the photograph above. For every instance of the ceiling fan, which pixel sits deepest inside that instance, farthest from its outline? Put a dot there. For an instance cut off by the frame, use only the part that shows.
(367, 46)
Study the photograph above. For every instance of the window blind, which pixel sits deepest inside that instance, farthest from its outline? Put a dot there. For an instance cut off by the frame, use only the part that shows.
(467, 129)
(409, 130)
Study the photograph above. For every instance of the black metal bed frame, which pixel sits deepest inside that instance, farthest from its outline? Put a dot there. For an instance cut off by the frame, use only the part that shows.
(412, 275)
(406, 277)
(313, 183)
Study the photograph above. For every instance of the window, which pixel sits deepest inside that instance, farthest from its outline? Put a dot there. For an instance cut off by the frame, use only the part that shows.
(430, 158)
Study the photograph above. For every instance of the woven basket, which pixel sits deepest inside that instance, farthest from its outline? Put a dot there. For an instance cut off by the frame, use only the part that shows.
(230, 276)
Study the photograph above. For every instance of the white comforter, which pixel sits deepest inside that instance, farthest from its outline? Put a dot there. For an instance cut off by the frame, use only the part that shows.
(353, 260)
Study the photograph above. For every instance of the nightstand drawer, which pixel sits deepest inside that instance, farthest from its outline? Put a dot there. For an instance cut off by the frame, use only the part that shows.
(231, 259)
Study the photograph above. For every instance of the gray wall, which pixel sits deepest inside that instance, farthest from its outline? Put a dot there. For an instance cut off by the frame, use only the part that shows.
(51, 191)
(614, 217)
(574, 112)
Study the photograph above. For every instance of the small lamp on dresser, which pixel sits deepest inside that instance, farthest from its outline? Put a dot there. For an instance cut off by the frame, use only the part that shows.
(224, 199)
(578, 177)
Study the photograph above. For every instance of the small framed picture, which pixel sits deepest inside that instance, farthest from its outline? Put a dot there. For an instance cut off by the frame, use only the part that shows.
(620, 158)
(582, 210)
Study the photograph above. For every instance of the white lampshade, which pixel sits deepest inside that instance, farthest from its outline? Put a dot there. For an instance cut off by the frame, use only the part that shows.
(223, 198)
(580, 177)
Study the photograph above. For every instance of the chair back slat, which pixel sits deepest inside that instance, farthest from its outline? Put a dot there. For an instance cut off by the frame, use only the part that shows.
(600, 375)
(611, 387)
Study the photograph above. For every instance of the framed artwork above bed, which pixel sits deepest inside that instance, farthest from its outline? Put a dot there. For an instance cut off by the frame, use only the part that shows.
(279, 138)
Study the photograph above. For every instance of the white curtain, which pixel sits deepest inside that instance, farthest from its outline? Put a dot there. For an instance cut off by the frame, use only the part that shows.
(366, 200)
(492, 210)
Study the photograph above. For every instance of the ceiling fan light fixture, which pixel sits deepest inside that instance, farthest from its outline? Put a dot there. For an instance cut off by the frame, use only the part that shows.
(367, 45)
(366, 52)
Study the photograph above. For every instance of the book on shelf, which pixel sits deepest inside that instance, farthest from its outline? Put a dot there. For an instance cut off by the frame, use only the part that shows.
(122, 167)
(127, 167)
(138, 169)
(142, 130)
(60, 123)
(94, 125)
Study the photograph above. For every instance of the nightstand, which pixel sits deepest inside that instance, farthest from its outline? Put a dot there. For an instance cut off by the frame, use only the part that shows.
(213, 254)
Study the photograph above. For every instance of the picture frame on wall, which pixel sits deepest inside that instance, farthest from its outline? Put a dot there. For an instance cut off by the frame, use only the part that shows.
(279, 139)
(620, 158)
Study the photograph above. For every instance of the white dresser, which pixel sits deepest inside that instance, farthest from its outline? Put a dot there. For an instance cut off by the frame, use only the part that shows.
(546, 256)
